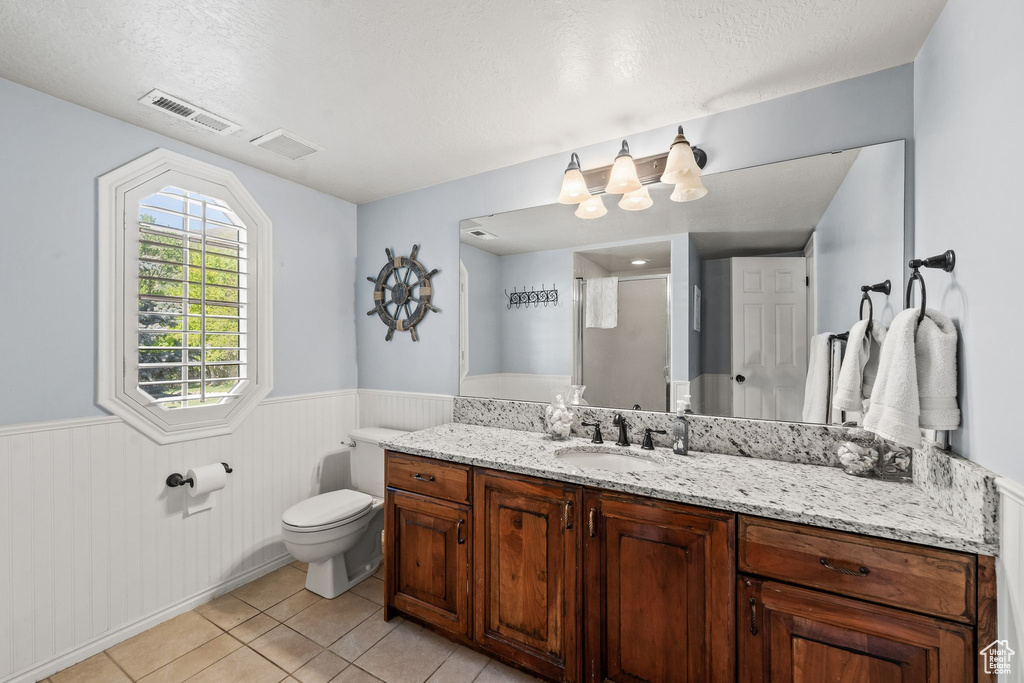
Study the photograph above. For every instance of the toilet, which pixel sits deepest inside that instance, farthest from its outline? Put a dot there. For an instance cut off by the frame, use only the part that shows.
(339, 533)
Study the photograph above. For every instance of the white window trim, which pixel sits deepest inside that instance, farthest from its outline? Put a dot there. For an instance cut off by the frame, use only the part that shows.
(113, 318)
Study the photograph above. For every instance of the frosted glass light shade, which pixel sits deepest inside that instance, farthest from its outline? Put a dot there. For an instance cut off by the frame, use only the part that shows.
(637, 200)
(623, 177)
(591, 208)
(689, 188)
(574, 185)
(574, 188)
(680, 163)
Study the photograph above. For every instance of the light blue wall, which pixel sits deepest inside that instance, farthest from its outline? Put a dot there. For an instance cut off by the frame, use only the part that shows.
(861, 111)
(680, 304)
(485, 306)
(859, 239)
(50, 159)
(969, 95)
(537, 339)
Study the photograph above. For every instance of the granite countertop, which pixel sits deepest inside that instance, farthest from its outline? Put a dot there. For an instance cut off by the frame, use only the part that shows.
(809, 494)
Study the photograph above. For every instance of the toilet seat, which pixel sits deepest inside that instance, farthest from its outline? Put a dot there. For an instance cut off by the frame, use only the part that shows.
(327, 511)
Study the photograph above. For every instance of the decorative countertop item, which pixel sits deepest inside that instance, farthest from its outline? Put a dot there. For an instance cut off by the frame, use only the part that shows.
(860, 460)
(575, 397)
(404, 283)
(558, 418)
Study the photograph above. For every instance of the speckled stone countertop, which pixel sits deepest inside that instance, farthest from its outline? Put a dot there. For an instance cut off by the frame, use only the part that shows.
(808, 494)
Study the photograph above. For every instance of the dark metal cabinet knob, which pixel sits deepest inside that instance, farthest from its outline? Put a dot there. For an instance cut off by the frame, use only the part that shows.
(740, 379)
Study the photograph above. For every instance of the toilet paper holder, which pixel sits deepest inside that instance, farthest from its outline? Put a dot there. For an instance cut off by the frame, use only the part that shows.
(178, 479)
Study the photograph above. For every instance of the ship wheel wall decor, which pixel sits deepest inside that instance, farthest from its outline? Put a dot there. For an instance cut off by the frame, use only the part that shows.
(401, 293)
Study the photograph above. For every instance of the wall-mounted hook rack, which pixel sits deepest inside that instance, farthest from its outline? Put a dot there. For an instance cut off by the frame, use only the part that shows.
(533, 297)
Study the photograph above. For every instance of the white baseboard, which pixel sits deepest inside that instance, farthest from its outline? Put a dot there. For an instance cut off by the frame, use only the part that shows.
(111, 638)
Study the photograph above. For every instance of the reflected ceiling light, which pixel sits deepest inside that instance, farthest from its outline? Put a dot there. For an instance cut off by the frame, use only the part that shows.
(639, 262)
(637, 200)
(591, 208)
(623, 177)
(574, 186)
(683, 160)
(688, 188)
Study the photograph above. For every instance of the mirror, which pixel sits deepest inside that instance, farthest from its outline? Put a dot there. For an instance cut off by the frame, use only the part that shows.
(718, 298)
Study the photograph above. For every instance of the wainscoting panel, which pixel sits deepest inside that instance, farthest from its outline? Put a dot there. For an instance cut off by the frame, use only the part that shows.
(1010, 573)
(94, 546)
(403, 410)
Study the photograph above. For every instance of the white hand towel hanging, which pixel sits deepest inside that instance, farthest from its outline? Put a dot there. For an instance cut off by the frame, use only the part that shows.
(936, 371)
(916, 387)
(859, 368)
(602, 302)
(816, 387)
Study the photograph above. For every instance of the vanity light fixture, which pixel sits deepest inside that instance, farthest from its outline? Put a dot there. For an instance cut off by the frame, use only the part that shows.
(683, 160)
(623, 177)
(637, 200)
(683, 169)
(591, 208)
(574, 186)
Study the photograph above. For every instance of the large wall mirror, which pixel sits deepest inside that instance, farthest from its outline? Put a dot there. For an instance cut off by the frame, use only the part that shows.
(728, 298)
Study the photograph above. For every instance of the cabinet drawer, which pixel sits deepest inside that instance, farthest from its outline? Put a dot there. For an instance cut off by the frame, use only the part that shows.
(927, 580)
(429, 477)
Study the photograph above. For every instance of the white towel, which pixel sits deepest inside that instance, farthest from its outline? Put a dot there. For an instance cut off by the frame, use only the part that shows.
(816, 388)
(916, 385)
(894, 413)
(859, 368)
(878, 334)
(936, 371)
(603, 302)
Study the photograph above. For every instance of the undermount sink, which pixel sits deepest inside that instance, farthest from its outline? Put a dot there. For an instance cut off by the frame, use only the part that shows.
(608, 460)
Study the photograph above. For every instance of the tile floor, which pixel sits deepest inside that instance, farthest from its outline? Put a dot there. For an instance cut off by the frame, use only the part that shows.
(273, 629)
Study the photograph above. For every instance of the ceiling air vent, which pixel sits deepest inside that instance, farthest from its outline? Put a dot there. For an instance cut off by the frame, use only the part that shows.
(180, 108)
(481, 234)
(287, 144)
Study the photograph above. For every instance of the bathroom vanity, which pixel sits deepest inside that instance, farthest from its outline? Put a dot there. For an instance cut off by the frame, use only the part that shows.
(703, 568)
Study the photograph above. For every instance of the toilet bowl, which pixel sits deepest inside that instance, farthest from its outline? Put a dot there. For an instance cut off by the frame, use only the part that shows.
(339, 533)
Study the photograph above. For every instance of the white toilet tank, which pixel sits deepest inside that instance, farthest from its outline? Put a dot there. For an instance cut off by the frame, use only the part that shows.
(367, 459)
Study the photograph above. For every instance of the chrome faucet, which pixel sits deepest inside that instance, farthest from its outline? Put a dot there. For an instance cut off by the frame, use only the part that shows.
(620, 421)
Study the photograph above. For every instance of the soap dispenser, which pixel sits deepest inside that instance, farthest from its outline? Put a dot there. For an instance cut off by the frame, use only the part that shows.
(681, 427)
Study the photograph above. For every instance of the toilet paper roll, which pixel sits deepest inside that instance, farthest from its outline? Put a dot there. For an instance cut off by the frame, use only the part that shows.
(207, 479)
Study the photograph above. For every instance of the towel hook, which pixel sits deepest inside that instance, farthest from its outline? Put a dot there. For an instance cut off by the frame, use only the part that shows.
(946, 261)
(883, 287)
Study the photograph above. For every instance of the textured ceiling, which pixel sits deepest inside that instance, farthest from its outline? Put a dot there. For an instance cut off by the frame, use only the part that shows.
(406, 94)
(752, 210)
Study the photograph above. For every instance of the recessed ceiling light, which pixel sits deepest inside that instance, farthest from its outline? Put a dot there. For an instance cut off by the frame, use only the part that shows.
(639, 262)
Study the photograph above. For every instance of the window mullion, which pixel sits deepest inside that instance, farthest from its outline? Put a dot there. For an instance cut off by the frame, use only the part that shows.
(202, 310)
(184, 321)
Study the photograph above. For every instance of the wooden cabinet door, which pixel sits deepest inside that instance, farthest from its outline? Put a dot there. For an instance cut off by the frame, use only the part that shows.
(660, 581)
(527, 573)
(428, 559)
(796, 635)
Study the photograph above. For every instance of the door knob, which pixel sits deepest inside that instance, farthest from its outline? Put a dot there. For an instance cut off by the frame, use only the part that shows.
(740, 379)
